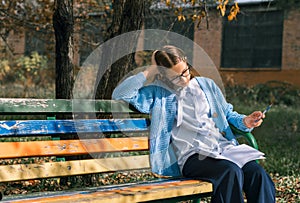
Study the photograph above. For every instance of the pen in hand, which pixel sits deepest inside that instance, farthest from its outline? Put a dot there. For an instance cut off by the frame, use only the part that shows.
(265, 111)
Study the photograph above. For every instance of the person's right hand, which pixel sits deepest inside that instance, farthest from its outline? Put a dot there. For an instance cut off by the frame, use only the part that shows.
(151, 71)
(254, 119)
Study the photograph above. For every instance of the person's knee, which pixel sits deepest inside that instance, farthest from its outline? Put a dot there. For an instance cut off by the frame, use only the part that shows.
(262, 178)
(256, 178)
(257, 172)
(229, 188)
(234, 173)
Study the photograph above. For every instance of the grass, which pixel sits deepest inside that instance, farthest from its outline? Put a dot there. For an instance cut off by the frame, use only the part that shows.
(279, 138)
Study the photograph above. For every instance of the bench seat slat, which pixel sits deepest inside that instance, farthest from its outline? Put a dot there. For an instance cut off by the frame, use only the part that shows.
(71, 147)
(77, 167)
(50, 127)
(125, 194)
(60, 106)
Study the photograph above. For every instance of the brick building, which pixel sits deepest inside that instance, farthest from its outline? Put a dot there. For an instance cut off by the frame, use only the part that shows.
(275, 39)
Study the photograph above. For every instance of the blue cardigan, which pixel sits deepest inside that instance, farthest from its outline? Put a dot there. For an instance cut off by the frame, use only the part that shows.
(161, 104)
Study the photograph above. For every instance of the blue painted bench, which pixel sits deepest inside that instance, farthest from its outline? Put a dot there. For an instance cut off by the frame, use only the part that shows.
(71, 138)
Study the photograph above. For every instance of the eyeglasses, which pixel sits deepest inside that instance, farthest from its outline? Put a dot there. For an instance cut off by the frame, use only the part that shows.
(185, 73)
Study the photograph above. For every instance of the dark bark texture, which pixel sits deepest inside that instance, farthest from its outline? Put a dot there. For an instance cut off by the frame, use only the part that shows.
(63, 23)
(128, 16)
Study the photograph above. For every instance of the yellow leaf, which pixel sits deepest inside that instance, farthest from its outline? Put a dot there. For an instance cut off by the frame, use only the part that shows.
(168, 2)
(181, 17)
(233, 12)
(230, 17)
(6, 68)
(222, 9)
(194, 17)
(237, 6)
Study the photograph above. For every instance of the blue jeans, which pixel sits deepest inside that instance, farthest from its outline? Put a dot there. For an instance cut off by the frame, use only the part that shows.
(229, 180)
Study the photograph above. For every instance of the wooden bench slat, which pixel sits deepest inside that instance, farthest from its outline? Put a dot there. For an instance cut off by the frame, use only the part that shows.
(50, 127)
(78, 167)
(170, 191)
(132, 194)
(59, 106)
(71, 147)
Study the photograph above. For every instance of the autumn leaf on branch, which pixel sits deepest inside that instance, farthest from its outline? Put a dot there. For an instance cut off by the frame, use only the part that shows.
(222, 6)
(200, 9)
(233, 12)
(168, 2)
(180, 15)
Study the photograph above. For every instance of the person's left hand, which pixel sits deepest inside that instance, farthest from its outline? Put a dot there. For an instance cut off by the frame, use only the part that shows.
(254, 119)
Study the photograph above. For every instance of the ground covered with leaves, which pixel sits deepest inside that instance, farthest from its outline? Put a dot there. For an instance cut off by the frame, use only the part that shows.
(287, 187)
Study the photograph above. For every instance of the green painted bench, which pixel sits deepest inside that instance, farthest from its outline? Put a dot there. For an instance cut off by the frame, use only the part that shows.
(72, 138)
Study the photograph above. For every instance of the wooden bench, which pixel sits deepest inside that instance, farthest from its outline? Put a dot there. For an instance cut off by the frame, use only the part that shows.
(45, 138)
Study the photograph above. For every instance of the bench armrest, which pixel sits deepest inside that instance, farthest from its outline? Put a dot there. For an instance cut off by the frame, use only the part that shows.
(247, 135)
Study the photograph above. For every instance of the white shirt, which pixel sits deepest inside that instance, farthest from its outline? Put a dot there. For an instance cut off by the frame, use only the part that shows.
(194, 131)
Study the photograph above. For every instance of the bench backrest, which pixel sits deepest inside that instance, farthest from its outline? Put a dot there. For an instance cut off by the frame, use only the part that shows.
(103, 135)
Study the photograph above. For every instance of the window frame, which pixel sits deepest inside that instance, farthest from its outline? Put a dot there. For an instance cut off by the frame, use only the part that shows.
(225, 65)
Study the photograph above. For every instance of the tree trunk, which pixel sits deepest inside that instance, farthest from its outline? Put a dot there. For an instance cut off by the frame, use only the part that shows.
(128, 16)
(63, 23)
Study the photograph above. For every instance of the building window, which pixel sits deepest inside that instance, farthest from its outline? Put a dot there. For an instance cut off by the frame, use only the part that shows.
(254, 40)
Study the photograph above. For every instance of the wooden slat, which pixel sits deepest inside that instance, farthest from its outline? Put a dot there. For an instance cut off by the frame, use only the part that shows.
(78, 167)
(50, 127)
(132, 194)
(58, 106)
(71, 147)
